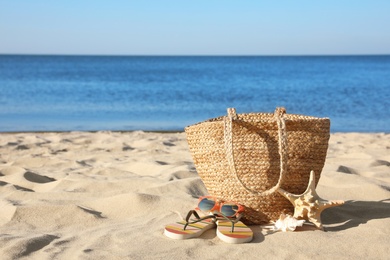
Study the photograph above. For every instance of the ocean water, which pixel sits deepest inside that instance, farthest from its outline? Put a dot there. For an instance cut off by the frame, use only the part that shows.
(61, 93)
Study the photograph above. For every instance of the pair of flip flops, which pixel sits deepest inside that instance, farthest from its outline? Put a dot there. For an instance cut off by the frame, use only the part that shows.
(228, 231)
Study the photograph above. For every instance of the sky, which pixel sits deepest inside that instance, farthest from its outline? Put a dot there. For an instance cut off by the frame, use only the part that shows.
(197, 27)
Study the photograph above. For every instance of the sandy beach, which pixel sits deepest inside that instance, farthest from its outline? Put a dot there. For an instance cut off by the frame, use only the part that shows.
(108, 195)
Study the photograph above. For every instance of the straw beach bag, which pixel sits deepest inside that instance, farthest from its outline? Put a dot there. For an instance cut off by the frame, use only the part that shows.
(246, 157)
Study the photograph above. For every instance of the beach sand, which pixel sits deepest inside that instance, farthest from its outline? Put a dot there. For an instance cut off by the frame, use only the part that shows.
(108, 195)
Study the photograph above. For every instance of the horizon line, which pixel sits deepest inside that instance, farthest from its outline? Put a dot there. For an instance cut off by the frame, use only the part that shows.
(190, 55)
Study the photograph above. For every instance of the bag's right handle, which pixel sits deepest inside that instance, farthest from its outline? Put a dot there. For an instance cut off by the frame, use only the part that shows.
(282, 147)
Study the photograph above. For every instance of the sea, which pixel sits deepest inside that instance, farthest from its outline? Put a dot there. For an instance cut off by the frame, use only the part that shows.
(168, 93)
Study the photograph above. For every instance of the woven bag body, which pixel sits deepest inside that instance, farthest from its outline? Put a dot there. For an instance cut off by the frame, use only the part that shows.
(246, 157)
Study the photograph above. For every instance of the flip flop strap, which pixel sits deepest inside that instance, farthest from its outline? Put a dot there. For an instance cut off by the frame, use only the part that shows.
(198, 219)
(231, 220)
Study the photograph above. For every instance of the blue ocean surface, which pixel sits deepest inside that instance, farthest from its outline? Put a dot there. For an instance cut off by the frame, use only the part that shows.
(62, 93)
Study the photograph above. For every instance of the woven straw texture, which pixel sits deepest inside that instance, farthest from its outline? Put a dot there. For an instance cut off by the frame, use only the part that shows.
(246, 157)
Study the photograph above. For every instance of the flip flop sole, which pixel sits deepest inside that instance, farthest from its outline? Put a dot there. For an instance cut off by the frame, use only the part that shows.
(176, 230)
(241, 234)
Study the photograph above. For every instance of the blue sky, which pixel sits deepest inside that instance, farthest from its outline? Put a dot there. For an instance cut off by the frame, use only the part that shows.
(198, 27)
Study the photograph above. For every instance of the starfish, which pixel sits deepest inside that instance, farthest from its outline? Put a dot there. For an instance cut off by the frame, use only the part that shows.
(309, 205)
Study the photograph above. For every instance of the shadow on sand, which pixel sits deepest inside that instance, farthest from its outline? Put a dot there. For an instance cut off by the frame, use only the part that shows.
(354, 213)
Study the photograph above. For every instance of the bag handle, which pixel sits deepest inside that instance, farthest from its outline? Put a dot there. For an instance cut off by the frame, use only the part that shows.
(282, 147)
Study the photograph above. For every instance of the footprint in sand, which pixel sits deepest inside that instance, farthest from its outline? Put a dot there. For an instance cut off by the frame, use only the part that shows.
(196, 188)
(12, 143)
(33, 244)
(181, 175)
(191, 166)
(380, 163)
(168, 144)
(162, 163)
(3, 183)
(22, 147)
(127, 148)
(33, 177)
(347, 170)
(97, 214)
(23, 188)
(59, 151)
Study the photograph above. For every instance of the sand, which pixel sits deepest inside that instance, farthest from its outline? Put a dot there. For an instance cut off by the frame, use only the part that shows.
(108, 195)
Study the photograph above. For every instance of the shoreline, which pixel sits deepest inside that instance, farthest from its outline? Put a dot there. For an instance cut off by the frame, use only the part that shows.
(96, 131)
(155, 131)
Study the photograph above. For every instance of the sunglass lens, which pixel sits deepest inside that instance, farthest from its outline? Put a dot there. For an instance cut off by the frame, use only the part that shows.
(206, 204)
(229, 209)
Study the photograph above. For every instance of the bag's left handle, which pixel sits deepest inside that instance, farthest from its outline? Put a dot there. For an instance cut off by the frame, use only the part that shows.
(282, 147)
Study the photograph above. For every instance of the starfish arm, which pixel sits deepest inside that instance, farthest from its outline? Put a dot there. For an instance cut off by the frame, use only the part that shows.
(291, 197)
(324, 204)
(311, 187)
(316, 220)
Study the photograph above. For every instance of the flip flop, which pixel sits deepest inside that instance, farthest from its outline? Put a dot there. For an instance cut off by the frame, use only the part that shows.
(190, 228)
(240, 234)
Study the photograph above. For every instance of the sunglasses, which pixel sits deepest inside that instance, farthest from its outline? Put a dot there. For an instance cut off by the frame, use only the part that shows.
(227, 209)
